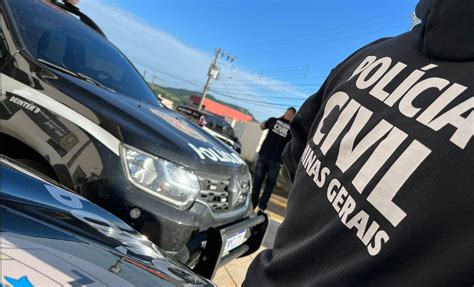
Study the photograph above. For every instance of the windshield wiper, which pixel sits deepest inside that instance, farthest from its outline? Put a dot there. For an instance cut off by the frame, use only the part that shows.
(54, 66)
(74, 74)
(93, 81)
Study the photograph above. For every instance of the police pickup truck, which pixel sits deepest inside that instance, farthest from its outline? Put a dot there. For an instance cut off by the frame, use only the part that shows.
(75, 109)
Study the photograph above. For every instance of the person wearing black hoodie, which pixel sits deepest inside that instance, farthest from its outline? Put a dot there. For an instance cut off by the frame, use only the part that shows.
(383, 166)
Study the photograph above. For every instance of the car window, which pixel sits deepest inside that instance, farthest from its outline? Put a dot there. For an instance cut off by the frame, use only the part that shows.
(220, 126)
(55, 36)
(229, 131)
(183, 110)
(210, 122)
(188, 113)
(225, 129)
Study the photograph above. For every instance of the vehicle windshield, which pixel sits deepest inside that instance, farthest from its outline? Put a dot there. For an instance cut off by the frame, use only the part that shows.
(220, 125)
(54, 36)
(189, 113)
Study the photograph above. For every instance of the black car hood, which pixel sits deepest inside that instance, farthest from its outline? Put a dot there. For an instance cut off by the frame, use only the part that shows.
(446, 29)
(35, 212)
(152, 128)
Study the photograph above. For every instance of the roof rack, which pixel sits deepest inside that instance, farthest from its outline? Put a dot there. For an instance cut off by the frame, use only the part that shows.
(65, 5)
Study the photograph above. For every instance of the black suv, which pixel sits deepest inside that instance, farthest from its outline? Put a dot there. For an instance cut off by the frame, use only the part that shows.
(213, 124)
(74, 108)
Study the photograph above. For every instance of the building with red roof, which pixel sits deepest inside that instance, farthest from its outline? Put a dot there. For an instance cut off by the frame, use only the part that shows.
(220, 109)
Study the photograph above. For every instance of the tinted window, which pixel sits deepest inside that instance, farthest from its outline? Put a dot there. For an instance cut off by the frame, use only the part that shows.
(210, 122)
(191, 114)
(220, 125)
(229, 131)
(53, 35)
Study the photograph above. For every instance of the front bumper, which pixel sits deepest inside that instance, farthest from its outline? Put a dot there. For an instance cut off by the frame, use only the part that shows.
(215, 255)
(168, 227)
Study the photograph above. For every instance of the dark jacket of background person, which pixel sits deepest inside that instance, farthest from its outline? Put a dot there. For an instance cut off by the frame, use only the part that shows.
(269, 159)
(383, 165)
(277, 138)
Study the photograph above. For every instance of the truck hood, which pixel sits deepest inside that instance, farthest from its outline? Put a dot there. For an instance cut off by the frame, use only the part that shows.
(153, 128)
(38, 213)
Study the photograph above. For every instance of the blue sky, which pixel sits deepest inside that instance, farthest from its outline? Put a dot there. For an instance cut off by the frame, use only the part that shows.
(284, 48)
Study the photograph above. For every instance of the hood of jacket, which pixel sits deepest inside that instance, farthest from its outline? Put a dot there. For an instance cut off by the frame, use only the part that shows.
(446, 29)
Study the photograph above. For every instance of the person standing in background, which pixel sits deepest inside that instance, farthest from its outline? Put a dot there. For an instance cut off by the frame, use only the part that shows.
(202, 122)
(269, 156)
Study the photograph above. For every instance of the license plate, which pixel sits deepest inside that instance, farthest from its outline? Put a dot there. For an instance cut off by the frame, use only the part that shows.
(235, 241)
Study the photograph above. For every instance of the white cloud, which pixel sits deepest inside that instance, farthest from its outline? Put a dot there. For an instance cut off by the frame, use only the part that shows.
(179, 65)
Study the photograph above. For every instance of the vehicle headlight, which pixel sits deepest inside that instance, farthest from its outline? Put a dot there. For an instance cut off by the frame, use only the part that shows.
(245, 187)
(169, 182)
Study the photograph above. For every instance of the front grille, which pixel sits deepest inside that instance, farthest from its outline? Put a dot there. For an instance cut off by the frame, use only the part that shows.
(224, 194)
(214, 192)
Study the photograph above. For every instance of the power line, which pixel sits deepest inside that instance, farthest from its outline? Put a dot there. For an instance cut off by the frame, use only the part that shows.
(266, 73)
(254, 102)
(255, 95)
(245, 100)
(253, 84)
(263, 74)
(328, 62)
(283, 77)
(256, 81)
(317, 41)
(176, 77)
(364, 23)
(213, 73)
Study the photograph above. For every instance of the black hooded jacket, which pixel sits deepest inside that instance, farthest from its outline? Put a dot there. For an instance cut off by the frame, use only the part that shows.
(382, 159)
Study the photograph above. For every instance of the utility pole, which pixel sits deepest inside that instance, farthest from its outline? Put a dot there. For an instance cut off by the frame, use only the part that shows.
(153, 81)
(213, 73)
